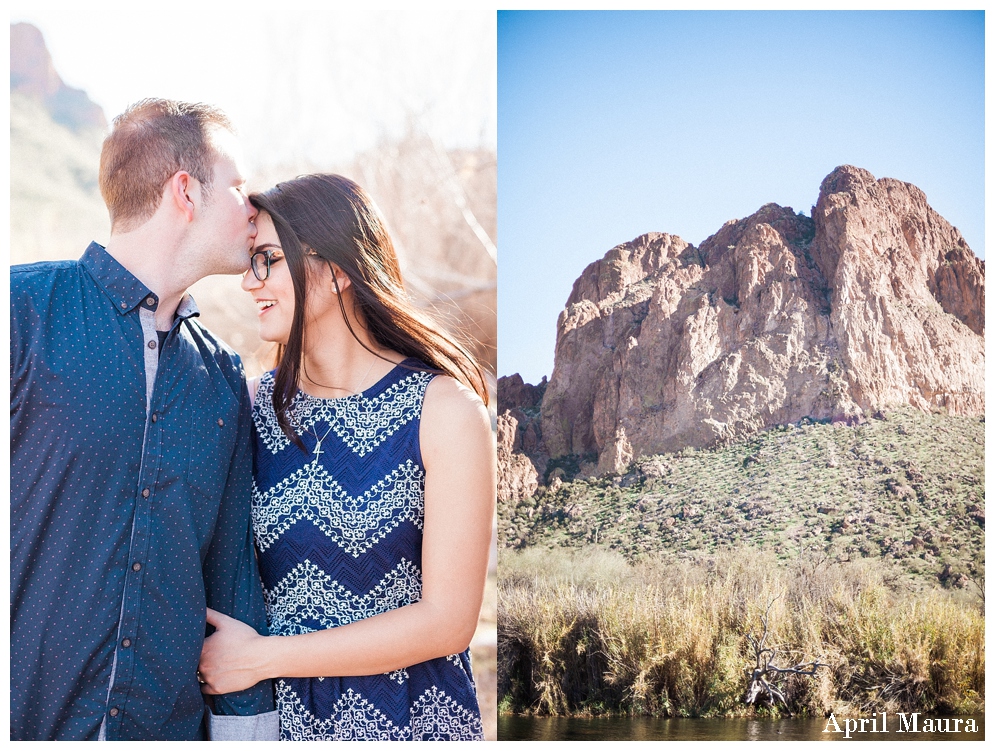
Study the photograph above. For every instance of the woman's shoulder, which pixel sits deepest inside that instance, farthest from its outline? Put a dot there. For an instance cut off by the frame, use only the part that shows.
(455, 424)
(447, 388)
(450, 404)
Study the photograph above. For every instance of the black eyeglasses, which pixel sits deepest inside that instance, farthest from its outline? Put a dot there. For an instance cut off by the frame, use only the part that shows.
(260, 261)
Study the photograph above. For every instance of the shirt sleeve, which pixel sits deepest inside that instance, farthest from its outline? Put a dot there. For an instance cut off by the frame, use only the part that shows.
(233, 587)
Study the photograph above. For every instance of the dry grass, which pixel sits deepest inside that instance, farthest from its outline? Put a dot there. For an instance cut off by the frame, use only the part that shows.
(585, 632)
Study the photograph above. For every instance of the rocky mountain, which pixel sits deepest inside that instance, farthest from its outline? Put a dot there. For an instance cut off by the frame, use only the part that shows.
(872, 302)
(521, 456)
(33, 74)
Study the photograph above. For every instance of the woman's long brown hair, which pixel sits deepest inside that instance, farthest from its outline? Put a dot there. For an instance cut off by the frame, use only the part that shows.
(335, 218)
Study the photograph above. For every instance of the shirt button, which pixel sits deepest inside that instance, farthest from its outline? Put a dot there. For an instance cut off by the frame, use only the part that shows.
(151, 345)
(154, 417)
(114, 712)
(136, 566)
(221, 422)
(150, 301)
(146, 493)
(126, 643)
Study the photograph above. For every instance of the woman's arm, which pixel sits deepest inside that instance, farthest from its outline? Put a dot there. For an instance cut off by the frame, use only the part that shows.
(460, 481)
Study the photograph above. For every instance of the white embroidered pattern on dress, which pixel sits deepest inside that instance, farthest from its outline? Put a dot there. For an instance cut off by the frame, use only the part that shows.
(434, 716)
(362, 423)
(307, 593)
(354, 524)
(353, 719)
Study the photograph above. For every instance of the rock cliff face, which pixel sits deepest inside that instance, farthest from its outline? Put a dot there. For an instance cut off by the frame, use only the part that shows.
(514, 393)
(521, 458)
(873, 301)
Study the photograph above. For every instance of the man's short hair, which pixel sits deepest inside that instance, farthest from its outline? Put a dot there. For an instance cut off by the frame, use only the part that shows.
(149, 143)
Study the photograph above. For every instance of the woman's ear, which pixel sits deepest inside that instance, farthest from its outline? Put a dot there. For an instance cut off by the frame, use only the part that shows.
(341, 279)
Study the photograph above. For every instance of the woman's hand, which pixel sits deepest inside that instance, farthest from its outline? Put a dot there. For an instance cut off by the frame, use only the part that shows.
(232, 656)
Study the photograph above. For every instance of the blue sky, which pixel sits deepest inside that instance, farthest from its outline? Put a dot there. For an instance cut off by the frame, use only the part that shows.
(613, 124)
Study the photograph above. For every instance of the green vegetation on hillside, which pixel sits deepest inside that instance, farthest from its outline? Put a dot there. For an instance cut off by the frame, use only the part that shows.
(908, 487)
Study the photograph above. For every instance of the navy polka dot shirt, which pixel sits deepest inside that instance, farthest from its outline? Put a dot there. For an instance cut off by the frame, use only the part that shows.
(129, 507)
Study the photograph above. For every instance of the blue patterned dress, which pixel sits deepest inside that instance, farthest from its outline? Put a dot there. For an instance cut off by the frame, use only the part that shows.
(339, 534)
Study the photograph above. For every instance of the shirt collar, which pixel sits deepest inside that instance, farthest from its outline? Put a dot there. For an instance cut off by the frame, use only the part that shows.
(119, 284)
(123, 287)
(187, 307)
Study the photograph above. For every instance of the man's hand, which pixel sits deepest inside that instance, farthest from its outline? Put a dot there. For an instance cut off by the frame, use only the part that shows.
(232, 656)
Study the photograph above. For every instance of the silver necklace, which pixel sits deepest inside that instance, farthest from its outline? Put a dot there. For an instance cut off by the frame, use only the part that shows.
(359, 393)
(317, 442)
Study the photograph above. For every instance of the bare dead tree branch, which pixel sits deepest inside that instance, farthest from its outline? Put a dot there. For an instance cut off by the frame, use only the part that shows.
(760, 677)
(459, 198)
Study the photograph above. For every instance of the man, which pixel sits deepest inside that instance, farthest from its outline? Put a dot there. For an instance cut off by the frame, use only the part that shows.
(130, 451)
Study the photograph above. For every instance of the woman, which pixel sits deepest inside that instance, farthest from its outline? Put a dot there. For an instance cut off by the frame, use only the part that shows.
(374, 486)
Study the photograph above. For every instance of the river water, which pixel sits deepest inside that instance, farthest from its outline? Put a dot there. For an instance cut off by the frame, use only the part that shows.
(514, 728)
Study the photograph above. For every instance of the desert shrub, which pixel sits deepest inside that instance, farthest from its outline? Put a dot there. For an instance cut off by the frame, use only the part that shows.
(582, 631)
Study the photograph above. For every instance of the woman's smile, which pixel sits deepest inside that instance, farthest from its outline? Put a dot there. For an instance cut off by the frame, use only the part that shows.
(274, 294)
(264, 305)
